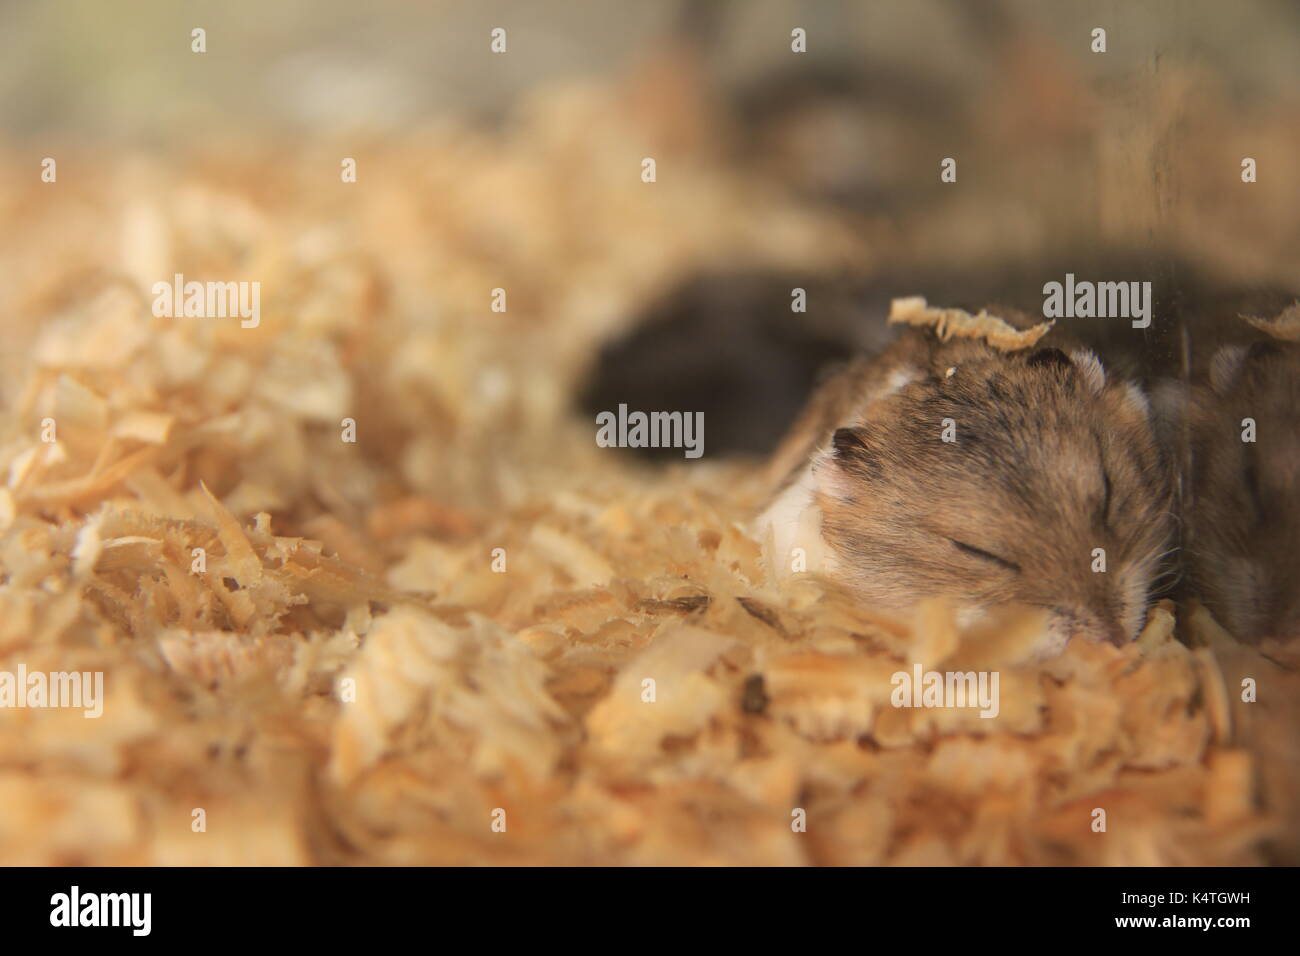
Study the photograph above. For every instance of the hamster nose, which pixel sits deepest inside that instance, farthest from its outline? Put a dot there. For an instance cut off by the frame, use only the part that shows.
(1105, 629)
(1115, 634)
(1095, 628)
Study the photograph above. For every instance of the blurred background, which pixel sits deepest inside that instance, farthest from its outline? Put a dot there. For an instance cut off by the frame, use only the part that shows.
(521, 172)
(1124, 163)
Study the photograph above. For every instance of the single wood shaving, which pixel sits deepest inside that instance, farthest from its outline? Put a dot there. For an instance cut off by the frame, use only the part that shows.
(947, 323)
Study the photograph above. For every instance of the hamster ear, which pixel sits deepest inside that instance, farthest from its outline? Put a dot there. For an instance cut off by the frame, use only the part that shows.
(840, 469)
(853, 451)
(1226, 368)
(1229, 363)
(1089, 368)
(849, 447)
(1049, 357)
(1082, 361)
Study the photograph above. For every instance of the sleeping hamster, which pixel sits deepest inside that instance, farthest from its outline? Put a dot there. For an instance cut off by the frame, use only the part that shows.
(990, 477)
(1243, 509)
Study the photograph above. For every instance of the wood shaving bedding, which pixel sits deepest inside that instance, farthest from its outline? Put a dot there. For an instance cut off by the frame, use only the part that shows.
(1285, 325)
(433, 645)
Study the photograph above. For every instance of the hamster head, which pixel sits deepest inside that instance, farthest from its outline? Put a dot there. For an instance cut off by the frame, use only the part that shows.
(1005, 479)
(1244, 521)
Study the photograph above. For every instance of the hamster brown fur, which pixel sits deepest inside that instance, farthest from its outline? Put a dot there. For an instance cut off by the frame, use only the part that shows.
(1051, 461)
(1243, 512)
